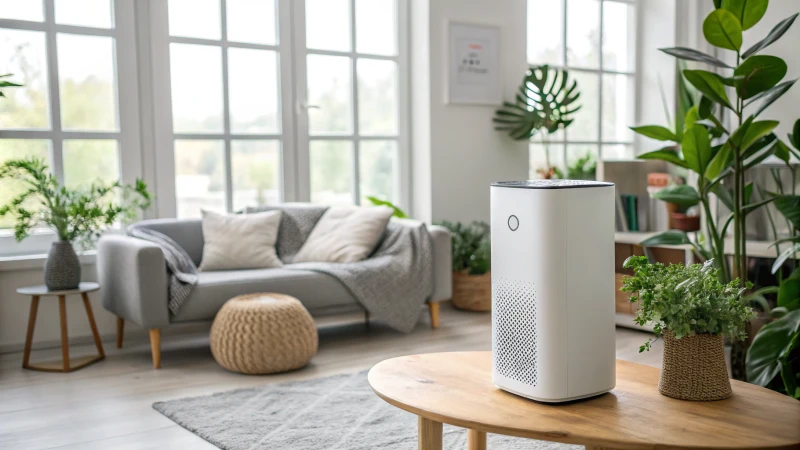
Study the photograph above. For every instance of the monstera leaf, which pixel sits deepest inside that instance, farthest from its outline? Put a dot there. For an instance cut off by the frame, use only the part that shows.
(545, 100)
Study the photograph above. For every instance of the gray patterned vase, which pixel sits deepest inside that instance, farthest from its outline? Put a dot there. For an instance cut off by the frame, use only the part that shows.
(62, 270)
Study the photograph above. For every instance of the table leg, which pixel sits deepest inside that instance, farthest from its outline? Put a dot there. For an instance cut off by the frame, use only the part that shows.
(476, 440)
(430, 434)
(62, 311)
(97, 342)
(26, 356)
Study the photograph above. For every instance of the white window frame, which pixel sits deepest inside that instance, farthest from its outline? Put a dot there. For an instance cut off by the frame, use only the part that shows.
(126, 81)
(632, 73)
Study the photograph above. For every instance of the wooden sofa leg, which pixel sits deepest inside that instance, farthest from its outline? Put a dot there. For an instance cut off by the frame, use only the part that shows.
(433, 309)
(120, 331)
(155, 347)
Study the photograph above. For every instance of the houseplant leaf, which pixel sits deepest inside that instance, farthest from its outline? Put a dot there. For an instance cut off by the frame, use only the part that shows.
(789, 292)
(789, 206)
(782, 151)
(777, 32)
(696, 148)
(399, 213)
(710, 84)
(769, 96)
(748, 12)
(786, 254)
(719, 162)
(668, 154)
(670, 237)
(763, 357)
(722, 29)
(690, 54)
(681, 194)
(656, 132)
(760, 72)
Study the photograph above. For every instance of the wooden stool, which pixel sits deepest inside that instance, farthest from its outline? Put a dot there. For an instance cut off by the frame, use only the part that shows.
(65, 365)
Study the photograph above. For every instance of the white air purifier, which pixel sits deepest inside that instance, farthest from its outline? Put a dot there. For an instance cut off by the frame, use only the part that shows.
(553, 288)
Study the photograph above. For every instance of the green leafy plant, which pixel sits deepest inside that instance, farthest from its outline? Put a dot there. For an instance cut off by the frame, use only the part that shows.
(399, 213)
(756, 80)
(471, 247)
(545, 101)
(5, 84)
(74, 214)
(686, 300)
(680, 194)
(583, 168)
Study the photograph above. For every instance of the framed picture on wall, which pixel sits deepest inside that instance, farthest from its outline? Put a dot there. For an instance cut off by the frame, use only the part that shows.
(473, 64)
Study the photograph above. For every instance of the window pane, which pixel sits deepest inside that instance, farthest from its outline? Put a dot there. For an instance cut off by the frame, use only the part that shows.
(330, 91)
(377, 97)
(618, 25)
(546, 32)
(256, 173)
(253, 91)
(617, 108)
(195, 18)
(539, 155)
(617, 152)
(24, 55)
(581, 162)
(22, 10)
(251, 21)
(90, 160)
(585, 127)
(19, 149)
(328, 24)
(196, 94)
(86, 79)
(376, 27)
(199, 176)
(583, 33)
(379, 170)
(331, 172)
(86, 13)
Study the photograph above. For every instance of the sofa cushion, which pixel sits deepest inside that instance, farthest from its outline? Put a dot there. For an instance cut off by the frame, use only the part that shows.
(314, 289)
(345, 234)
(240, 241)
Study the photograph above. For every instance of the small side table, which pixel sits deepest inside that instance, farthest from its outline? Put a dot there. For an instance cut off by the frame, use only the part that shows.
(65, 365)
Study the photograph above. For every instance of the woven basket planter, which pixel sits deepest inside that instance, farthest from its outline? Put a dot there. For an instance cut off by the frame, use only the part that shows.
(472, 292)
(694, 368)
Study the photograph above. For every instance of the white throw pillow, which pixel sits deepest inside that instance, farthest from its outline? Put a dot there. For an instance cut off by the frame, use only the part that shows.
(242, 241)
(345, 234)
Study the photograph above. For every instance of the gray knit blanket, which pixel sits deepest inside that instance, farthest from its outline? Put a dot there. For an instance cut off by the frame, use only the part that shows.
(392, 284)
(182, 270)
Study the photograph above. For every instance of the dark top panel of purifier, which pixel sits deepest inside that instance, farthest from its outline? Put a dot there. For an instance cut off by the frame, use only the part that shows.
(551, 184)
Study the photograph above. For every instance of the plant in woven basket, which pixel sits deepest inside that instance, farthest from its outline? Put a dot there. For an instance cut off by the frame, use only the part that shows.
(472, 289)
(692, 310)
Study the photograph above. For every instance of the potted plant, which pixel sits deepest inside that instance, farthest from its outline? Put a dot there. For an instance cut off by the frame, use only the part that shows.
(472, 285)
(545, 101)
(76, 215)
(691, 310)
(680, 198)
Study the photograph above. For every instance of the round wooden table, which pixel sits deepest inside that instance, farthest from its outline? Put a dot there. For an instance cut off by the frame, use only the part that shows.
(65, 365)
(457, 389)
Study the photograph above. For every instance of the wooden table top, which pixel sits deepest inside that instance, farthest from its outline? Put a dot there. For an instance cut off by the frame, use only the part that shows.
(457, 389)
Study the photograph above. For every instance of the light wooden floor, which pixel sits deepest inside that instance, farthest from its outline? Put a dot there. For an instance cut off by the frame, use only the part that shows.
(108, 405)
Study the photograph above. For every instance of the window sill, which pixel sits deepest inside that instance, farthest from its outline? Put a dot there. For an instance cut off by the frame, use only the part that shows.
(34, 262)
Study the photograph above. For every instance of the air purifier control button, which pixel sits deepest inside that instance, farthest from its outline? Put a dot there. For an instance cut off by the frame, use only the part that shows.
(513, 222)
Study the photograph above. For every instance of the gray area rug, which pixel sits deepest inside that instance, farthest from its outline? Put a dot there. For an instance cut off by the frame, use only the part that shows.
(339, 412)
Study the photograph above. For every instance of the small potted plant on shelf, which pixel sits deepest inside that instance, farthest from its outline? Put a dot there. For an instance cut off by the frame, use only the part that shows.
(681, 201)
(76, 215)
(692, 311)
(472, 285)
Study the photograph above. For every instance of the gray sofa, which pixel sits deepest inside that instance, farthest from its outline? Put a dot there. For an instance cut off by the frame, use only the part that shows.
(134, 280)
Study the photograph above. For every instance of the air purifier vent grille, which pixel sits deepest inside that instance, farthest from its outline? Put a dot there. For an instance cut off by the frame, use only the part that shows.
(514, 304)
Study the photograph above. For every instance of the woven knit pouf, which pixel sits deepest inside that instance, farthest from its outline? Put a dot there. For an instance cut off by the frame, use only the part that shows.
(263, 333)
(694, 368)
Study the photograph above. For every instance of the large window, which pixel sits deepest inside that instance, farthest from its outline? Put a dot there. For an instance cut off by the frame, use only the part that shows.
(595, 41)
(66, 54)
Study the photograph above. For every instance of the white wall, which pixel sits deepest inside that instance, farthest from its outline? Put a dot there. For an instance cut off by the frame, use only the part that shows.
(456, 151)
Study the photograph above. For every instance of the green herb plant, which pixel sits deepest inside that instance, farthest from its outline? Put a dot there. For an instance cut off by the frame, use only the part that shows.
(471, 247)
(686, 300)
(74, 214)
(583, 168)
